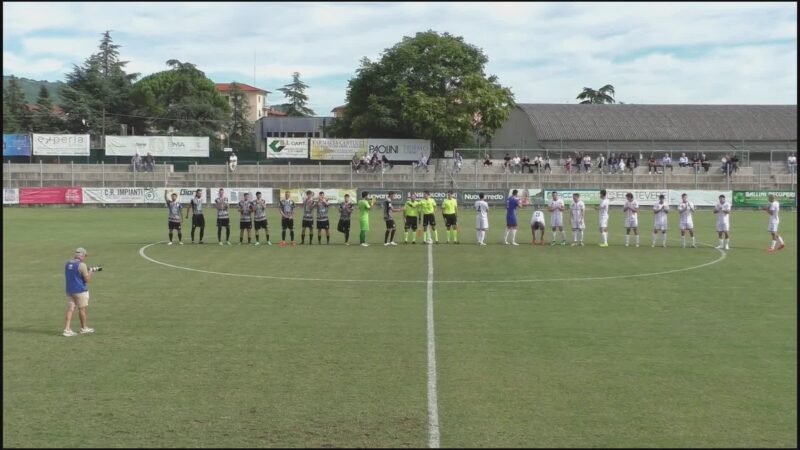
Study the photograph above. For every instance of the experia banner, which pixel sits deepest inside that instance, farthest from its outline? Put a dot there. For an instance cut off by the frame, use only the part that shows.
(61, 144)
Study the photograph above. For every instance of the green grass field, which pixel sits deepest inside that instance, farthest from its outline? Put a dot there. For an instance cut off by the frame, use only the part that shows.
(292, 356)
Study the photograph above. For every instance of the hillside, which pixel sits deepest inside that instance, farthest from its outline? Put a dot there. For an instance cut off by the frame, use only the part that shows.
(31, 88)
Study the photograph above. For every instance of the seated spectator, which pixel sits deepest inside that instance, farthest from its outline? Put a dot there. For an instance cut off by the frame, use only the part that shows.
(578, 163)
(683, 161)
(622, 165)
(233, 160)
(136, 161)
(613, 164)
(537, 163)
(705, 162)
(423, 162)
(696, 162)
(507, 161)
(791, 163)
(568, 164)
(374, 161)
(516, 164)
(355, 163)
(631, 163)
(651, 164)
(487, 160)
(385, 164)
(458, 161)
(526, 163)
(150, 162)
(734, 162)
(365, 162)
(587, 163)
(666, 161)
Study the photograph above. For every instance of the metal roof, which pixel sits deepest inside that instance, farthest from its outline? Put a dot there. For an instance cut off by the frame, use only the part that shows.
(662, 122)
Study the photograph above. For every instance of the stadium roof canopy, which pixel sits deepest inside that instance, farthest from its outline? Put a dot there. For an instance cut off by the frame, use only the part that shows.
(624, 122)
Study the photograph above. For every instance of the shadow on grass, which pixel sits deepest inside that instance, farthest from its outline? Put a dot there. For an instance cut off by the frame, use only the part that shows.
(30, 330)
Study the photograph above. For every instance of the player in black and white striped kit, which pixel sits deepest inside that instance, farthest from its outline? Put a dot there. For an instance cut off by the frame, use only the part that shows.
(260, 212)
(308, 218)
(223, 219)
(322, 219)
(198, 219)
(246, 219)
(287, 206)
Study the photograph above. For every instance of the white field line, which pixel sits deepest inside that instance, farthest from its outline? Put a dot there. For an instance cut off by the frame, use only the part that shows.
(433, 408)
(340, 280)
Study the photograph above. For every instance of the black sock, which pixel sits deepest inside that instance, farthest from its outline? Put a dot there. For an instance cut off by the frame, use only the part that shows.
(256, 237)
(327, 238)
(303, 236)
(193, 227)
(319, 238)
(291, 234)
(202, 232)
(266, 236)
(180, 235)
(170, 235)
(241, 238)
(391, 236)
(386, 237)
(219, 234)
(347, 236)
(227, 233)
(283, 235)
(248, 238)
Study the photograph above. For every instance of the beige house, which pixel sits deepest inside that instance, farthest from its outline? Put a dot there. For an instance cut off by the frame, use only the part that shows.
(256, 99)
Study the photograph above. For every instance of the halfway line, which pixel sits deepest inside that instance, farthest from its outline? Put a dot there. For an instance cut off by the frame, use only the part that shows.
(433, 409)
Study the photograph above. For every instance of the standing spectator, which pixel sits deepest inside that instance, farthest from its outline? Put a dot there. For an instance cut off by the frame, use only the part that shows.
(150, 162)
(600, 160)
(683, 161)
(546, 163)
(137, 162)
(734, 162)
(587, 163)
(791, 163)
(77, 277)
(385, 164)
(355, 163)
(516, 164)
(458, 161)
(666, 161)
(526, 162)
(622, 164)
(578, 162)
(487, 160)
(537, 162)
(568, 164)
(233, 160)
(632, 163)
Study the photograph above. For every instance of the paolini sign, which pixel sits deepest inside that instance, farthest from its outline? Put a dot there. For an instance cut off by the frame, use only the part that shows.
(399, 149)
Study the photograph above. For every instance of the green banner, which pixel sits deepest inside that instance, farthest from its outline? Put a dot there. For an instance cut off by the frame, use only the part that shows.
(589, 196)
(759, 198)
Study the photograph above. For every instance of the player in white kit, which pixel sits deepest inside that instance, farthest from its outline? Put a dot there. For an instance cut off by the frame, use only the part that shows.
(685, 209)
(723, 212)
(603, 208)
(556, 208)
(537, 223)
(577, 210)
(631, 210)
(481, 219)
(660, 211)
(772, 209)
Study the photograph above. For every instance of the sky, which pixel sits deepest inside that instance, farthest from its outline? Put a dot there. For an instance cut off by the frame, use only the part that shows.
(652, 53)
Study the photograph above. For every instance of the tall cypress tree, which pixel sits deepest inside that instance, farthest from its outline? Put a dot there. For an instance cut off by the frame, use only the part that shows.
(295, 92)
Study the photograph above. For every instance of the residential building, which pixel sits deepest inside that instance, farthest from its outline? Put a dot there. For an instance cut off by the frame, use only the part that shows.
(256, 99)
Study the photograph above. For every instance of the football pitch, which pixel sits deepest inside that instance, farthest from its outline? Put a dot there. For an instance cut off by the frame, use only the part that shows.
(407, 346)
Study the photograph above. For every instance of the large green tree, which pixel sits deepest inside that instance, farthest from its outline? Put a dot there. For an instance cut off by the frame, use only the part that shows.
(16, 114)
(45, 120)
(295, 93)
(429, 86)
(241, 129)
(97, 97)
(181, 101)
(601, 96)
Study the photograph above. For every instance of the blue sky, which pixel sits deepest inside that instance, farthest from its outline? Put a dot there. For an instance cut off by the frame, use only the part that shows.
(657, 53)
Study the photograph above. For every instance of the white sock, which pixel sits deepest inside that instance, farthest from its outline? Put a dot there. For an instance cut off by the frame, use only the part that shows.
(483, 235)
(604, 236)
(514, 235)
(664, 239)
(478, 235)
(563, 235)
(693, 243)
(637, 239)
(780, 239)
(574, 235)
(507, 232)
(727, 242)
(580, 235)
(683, 240)
(654, 238)
(773, 244)
(554, 236)
(721, 242)
(627, 239)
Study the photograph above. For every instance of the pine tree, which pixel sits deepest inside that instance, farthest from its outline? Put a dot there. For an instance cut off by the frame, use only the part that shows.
(241, 130)
(295, 92)
(16, 114)
(45, 119)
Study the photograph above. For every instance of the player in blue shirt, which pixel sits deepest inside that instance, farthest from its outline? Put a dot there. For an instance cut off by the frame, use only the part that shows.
(511, 217)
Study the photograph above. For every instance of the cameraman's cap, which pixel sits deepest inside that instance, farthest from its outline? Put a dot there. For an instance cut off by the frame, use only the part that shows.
(80, 251)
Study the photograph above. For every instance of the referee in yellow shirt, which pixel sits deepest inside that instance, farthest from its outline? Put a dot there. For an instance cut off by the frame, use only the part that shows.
(450, 214)
(428, 207)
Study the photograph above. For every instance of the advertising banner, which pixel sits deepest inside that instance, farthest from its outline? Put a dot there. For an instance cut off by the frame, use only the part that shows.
(51, 195)
(10, 196)
(492, 197)
(164, 146)
(123, 195)
(287, 148)
(337, 149)
(333, 195)
(61, 144)
(382, 194)
(758, 199)
(399, 149)
(16, 145)
(526, 195)
(645, 197)
(184, 194)
(699, 198)
(589, 196)
(235, 195)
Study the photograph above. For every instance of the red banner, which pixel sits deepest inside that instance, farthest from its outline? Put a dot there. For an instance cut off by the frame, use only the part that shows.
(51, 195)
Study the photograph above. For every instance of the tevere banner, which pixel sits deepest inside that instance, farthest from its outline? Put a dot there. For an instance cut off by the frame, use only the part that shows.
(164, 146)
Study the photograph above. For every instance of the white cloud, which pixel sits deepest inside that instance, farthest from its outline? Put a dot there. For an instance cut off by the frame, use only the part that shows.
(652, 52)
